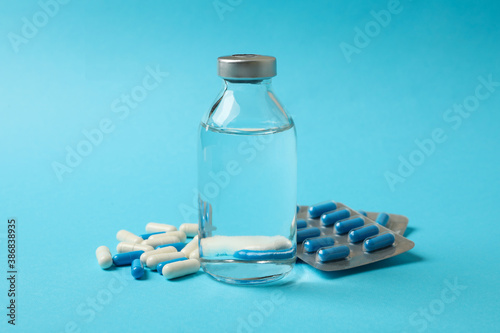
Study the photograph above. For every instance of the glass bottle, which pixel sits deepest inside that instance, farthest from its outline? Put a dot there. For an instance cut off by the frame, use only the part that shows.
(247, 177)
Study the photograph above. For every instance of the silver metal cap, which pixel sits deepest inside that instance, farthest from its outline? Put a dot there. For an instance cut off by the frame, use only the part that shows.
(246, 66)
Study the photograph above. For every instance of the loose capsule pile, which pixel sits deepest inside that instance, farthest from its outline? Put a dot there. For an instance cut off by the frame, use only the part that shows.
(163, 248)
(332, 236)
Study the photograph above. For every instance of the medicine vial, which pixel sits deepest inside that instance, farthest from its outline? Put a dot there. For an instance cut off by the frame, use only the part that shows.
(247, 177)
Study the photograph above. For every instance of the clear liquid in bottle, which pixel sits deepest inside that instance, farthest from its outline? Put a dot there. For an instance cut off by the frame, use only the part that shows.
(247, 171)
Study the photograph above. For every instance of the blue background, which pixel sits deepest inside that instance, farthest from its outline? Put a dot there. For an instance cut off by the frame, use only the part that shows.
(355, 119)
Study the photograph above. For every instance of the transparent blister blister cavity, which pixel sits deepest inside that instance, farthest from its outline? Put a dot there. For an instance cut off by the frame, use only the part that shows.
(397, 223)
(361, 252)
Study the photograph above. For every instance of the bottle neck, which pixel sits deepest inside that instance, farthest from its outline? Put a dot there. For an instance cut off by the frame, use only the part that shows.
(248, 105)
(248, 87)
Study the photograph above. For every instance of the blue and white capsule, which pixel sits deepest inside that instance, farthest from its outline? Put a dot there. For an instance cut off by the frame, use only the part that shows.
(314, 244)
(156, 259)
(145, 256)
(124, 247)
(155, 227)
(319, 209)
(190, 229)
(146, 236)
(180, 268)
(137, 269)
(124, 259)
(178, 246)
(177, 233)
(155, 241)
(379, 242)
(159, 267)
(128, 237)
(104, 257)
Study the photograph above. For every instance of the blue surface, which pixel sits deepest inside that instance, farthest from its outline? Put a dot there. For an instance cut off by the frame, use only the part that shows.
(359, 116)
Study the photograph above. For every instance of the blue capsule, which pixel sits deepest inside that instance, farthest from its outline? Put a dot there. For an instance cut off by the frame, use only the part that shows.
(331, 218)
(298, 208)
(178, 246)
(146, 236)
(343, 227)
(379, 242)
(265, 255)
(314, 244)
(362, 212)
(319, 209)
(137, 269)
(301, 224)
(123, 259)
(334, 253)
(358, 235)
(382, 219)
(302, 234)
(159, 267)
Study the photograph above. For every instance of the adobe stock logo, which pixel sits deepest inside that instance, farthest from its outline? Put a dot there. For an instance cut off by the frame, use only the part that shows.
(263, 309)
(93, 306)
(223, 6)
(363, 37)
(31, 27)
(454, 117)
(421, 318)
(248, 151)
(122, 107)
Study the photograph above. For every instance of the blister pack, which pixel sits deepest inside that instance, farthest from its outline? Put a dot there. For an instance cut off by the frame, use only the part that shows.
(332, 236)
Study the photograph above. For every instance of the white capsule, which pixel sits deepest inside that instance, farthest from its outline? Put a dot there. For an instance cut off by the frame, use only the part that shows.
(195, 255)
(146, 255)
(103, 256)
(180, 268)
(127, 236)
(180, 234)
(154, 260)
(190, 247)
(163, 240)
(191, 229)
(157, 227)
(124, 247)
